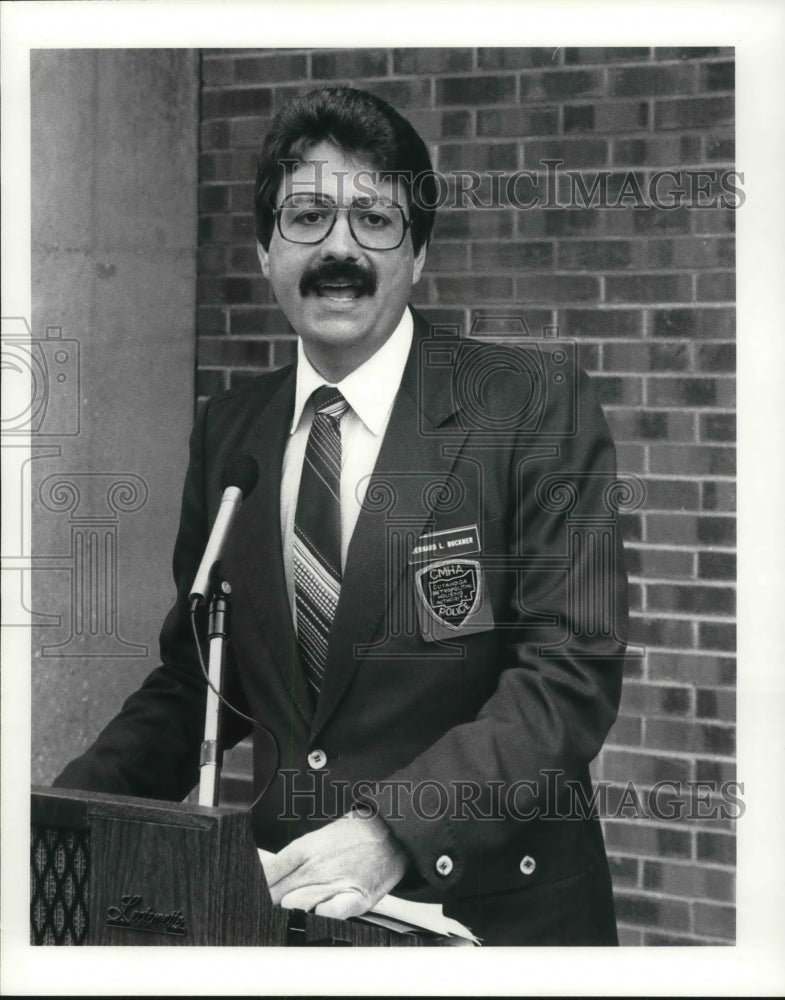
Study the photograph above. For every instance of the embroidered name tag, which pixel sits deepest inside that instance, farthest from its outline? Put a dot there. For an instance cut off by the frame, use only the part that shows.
(450, 589)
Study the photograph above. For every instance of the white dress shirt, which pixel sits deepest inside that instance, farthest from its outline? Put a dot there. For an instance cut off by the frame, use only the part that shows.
(370, 391)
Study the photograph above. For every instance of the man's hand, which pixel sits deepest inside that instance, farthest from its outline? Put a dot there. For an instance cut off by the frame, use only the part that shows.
(341, 870)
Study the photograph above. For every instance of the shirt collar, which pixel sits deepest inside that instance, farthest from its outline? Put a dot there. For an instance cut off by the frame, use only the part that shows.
(369, 390)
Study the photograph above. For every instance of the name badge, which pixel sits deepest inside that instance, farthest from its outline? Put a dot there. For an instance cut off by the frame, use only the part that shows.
(450, 589)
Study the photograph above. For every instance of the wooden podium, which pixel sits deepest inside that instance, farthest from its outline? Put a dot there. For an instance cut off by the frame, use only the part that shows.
(128, 871)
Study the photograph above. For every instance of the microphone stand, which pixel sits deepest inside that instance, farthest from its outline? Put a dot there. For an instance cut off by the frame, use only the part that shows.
(211, 757)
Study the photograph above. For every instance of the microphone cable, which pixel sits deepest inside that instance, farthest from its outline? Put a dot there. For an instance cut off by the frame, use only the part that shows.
(233, 708)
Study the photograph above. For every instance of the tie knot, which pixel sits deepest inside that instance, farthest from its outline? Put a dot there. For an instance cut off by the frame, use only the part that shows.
(328, 400)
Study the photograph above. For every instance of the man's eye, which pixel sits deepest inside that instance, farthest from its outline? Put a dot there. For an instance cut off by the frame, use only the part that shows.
(309, 217)
(375, 220)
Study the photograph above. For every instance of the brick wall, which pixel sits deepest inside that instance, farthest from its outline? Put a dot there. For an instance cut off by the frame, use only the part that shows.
(647, 294)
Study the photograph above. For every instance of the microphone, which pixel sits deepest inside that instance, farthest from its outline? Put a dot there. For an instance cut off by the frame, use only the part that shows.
(239, 477)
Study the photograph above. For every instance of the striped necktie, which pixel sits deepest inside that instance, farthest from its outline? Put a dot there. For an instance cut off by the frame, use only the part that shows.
(317, 535)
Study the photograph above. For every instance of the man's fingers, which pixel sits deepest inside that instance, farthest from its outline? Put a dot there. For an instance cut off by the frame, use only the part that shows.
(343, 905)
(306, 897)
(278, 866)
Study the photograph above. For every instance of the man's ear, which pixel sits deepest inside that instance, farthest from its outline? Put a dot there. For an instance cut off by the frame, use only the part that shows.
(264, 259)
(419, 263)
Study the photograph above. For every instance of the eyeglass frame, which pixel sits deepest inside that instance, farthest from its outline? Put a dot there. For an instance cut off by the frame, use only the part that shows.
(407, 224)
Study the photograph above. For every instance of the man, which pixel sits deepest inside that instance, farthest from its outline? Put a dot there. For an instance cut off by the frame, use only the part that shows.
(428, 600)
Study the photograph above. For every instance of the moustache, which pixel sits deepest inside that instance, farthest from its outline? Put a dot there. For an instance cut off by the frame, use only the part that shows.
(361, 280)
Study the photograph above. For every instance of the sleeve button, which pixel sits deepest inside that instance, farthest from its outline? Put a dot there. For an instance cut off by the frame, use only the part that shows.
(528, 865)
(317, 759)
(444, 865)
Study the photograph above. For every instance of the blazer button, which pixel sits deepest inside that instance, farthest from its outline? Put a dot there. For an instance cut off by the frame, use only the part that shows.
(444, 865)
(317, 759)
(528, 865)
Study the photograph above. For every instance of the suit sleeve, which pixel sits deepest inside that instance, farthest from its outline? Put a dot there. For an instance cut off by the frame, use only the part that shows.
(559, 687)
(151, 748)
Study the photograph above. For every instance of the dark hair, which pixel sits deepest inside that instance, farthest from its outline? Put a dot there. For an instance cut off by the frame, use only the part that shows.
(356, 122)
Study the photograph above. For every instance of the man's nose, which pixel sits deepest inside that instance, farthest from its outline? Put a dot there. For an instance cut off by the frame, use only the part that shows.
(340, 243)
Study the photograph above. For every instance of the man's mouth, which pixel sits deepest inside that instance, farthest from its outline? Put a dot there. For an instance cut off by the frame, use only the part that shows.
(344, 281)
(337, 289)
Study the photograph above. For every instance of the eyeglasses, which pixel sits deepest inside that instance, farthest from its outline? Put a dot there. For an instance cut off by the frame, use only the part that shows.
(309, 219)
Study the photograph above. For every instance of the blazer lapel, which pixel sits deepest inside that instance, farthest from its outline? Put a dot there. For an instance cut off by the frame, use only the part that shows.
(261, 557)
(397, 509)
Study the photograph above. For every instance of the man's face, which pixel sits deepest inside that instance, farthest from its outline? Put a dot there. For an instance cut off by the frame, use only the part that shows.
(342, 299)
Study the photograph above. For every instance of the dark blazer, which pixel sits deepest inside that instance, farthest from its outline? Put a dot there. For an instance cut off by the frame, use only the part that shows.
(483, 739)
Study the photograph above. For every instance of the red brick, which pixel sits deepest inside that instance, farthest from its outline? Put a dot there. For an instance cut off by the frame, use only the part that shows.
(588, 56)
(654, 219)
(560, 84)
(573, 153)
(656, 151)
(248, 133)
(695, 112)
(719, 921)
(478, 156)
(439, 60)
(517, 121)
(475, 89)
(690, 252)
(472, 289)
(467, 223)
(511, 256)
(569, 222)
(718, 771)
(517, 58)
(720, 148)
(690, 737)
(449, 257)
(717, 635)
(607, 116)
(690, 598)
(624, 871)
(716, 703)
(693, 668)
(210, 320)
(603, 323)
(672, 494)
(235, 102)
(402, 94)
(212, 352)
(644, 839)
(213, 135)
(209, 382)
(349, 62)
(717, 286)
(662, 633)
(667, 54)
(270, 68)
(651, 81)
(284, 351)
(598, 254)
(708, 323)
(616, 390)
(698, 460)
(261, 321)
(556, 288)
(718, 496)
(719, 848)
(715, 76)
(717, 357)
(670, 391)
(648, 288)
(717, 565)
(688, 880)
(661, 563)
(718, 427)
(651, 700)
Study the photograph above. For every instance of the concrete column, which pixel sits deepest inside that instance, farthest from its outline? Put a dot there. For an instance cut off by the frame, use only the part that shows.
(114, 216)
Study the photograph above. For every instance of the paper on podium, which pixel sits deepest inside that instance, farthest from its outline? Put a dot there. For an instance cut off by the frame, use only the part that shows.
(403, 915)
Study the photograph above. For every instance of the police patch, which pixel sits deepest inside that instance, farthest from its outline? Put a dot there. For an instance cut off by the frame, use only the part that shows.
(450, 590)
